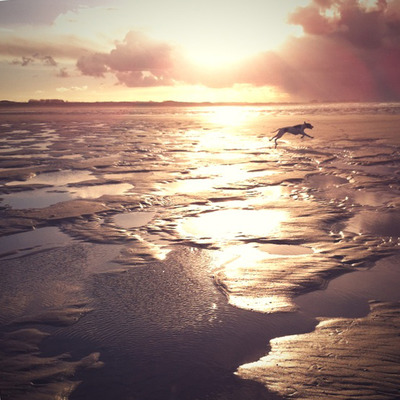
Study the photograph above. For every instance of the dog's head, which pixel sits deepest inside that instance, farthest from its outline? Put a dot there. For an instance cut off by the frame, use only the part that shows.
(307, 125)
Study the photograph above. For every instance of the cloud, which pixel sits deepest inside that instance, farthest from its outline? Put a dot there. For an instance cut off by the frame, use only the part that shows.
(45, 60)
(56, 47)
(363, 26)
(137, 61)
(24, 61)
(93, 64)
(72, 89)
(349, 51)
(40, 12)
(63, 73)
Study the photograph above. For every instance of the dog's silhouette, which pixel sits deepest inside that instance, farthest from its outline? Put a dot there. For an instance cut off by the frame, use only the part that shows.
(294, 130)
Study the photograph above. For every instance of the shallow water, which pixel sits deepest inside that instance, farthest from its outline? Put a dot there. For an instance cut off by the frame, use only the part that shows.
(181, 238)
(31, 241)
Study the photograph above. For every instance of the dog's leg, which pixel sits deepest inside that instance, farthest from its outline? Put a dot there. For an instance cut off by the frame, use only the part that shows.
(278, 136)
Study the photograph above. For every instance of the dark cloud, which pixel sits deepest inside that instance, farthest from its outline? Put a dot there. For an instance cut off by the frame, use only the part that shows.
(45, 60)
(63, 73)
(24, 61)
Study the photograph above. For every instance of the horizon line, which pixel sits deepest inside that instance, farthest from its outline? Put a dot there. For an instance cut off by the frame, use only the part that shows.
(61, 102)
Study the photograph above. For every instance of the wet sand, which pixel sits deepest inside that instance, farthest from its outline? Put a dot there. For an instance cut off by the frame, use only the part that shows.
(151, 253)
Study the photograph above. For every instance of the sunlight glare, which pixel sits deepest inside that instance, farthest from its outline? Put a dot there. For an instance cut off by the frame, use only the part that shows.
(228, 225)
(229, 116)
(266, 304)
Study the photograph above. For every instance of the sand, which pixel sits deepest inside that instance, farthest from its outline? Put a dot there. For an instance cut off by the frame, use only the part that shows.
(163, 252)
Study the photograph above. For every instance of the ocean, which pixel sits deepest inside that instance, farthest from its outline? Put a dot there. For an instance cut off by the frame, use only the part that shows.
(175, 252)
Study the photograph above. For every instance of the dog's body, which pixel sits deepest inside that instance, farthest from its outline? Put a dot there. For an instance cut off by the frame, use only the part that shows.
(294, 130)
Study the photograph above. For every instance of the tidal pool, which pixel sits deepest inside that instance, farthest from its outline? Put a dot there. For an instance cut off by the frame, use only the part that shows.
(40, 198)
(57, 178)
(133, 219)
(27, 242)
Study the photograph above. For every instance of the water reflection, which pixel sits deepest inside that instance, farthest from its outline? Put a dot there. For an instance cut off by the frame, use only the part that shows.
(230, 116)
(133, 219)
(243, 265)
(227, 225)
(56, 178)
(27, 242)
(40, 198)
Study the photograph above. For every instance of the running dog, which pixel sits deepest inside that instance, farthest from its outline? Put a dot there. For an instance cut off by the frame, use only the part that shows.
(294, 130)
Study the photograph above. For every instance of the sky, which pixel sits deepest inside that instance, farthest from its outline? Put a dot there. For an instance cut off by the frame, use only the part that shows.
(192, 50)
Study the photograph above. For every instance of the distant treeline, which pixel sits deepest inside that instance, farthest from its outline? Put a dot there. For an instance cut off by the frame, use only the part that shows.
(169, 103)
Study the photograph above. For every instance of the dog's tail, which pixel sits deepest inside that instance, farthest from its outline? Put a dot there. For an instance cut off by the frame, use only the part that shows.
(276, 130)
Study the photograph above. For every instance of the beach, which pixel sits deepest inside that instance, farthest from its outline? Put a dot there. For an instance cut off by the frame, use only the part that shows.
(175, 253)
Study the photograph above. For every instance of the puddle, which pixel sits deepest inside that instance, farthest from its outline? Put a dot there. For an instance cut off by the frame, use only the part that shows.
(285, 249)
(134, 219)
(41, 198)
(376, 223)
(230, 224)
(348, 295)
(58, 178)
(368, 198)
(24, 243)
(128, 175)
(93, 192)
(321, 181)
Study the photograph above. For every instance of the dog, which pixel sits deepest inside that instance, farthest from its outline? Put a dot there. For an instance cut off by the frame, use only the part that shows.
(294, 130)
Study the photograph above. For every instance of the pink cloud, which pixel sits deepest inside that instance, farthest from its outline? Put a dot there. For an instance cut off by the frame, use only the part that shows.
(348, 52)
(136, 61)
(93, 64)
(363, 27)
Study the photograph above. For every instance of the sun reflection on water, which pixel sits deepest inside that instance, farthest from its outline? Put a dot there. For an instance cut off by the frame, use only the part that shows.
(227, 225)
(229, 115)
(242, 265)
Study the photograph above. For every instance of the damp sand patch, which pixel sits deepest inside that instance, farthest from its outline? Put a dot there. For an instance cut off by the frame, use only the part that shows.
(26, 374)
(342, 359)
